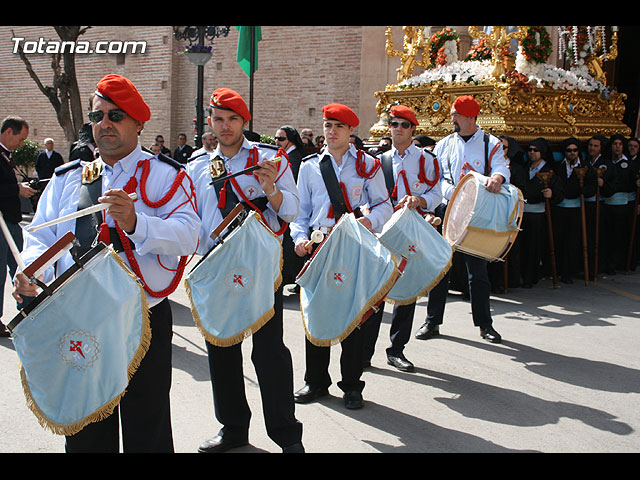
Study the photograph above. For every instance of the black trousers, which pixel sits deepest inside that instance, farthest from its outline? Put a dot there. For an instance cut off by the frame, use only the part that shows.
(318, 358)
(479, 291)
(274, 369)
(616, 222)
(534, 240)
(399, 332)
(567, 233)
(144, 410)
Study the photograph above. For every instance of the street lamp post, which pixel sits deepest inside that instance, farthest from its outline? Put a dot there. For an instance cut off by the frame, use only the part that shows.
(199, 54)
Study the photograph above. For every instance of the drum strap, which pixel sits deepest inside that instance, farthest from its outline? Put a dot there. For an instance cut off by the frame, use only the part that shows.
(387, 169)
(339, 204)
(88, 226)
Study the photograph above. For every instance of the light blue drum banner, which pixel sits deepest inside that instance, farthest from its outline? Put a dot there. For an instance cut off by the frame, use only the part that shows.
(349, 273)
(232, 291)
(496, 212)
(428, 255)
(79, 348)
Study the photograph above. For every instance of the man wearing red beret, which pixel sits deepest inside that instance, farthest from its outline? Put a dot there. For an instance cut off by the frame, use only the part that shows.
(458, 153)
(150, 234)
(363, 182)
(413, 179)
(271, 191)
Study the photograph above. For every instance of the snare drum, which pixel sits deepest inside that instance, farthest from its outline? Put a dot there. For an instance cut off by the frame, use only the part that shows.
(232, 290)
(348, 275)
(80, 341)
(482, 223)
(428, 255)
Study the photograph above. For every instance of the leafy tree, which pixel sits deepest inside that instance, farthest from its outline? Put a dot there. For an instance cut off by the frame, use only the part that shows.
(64, 94)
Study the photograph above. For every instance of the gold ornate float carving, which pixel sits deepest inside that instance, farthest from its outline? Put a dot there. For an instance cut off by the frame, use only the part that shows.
(509, 105)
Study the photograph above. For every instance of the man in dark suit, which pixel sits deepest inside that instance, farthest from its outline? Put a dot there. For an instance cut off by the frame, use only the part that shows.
(48, 160)
(183, 152)
(13, 132)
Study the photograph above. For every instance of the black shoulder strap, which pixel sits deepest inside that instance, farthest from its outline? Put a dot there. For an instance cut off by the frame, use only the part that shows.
(333, 187)
(174, 163)
(486, 155)
(66, 167)
(386, 159)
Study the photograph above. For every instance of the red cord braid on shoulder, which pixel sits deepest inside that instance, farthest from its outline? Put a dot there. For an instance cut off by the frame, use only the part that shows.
(361, 166)
(130, 187)
(422, 176)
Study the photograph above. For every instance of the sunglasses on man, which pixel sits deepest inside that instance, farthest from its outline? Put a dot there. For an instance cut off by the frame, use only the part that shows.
(396, 124)
(113, 115)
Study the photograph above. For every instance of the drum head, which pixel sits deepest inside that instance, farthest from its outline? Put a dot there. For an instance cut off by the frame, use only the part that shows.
(460, 210)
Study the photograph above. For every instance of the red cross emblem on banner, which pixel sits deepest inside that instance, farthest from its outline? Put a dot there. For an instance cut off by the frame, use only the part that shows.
(76, 347)
(238, 279)
(412, 248)
(338, 276)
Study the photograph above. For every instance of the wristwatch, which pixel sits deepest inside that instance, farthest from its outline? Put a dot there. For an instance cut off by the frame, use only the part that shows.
(275, 190)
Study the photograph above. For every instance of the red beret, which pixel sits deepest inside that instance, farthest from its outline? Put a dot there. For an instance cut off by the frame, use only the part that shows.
(341, 113)
(467, 106)
(122, 92)
(403, 111)
(228, 99)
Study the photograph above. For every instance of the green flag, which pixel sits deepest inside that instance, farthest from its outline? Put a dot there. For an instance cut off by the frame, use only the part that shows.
(244, 48)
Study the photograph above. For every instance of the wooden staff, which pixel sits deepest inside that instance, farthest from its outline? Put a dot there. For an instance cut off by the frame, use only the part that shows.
(599, 172)
(634, 223)
(581, 172)
(545, 177)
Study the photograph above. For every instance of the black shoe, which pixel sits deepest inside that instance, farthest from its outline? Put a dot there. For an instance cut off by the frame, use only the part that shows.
(219, 444)
(295, 448)
(427, 331)
(488, 333)
(308, 394)
(566, 279)
(353, 400)
(400, 362)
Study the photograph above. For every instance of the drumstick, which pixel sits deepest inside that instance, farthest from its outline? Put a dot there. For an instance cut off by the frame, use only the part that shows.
(241, 172)
(80, 213)
(316, 237)
(12, 244)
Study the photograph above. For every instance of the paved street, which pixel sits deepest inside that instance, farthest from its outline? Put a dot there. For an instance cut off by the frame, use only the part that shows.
(565, 379)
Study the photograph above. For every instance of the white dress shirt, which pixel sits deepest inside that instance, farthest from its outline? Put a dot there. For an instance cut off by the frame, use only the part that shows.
(162, 234)
(314, 198)
(410, 165)
(208, 211)
(454, 154)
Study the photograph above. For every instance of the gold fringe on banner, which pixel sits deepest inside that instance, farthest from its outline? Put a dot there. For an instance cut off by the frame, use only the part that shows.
(355, 323)
(251, 329)
(107, 409)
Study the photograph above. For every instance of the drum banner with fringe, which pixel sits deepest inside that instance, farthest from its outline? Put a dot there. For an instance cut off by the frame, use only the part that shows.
(428, 255)
(82, 342)
(232, 290)
(350, 273)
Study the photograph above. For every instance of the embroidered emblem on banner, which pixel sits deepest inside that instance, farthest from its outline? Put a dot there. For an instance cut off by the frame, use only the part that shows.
(338, 279)
(411, 250)
(79, 349)
(239, 281)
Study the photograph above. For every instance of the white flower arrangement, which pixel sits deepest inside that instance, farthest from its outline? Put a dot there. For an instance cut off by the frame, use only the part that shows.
(539, 75)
